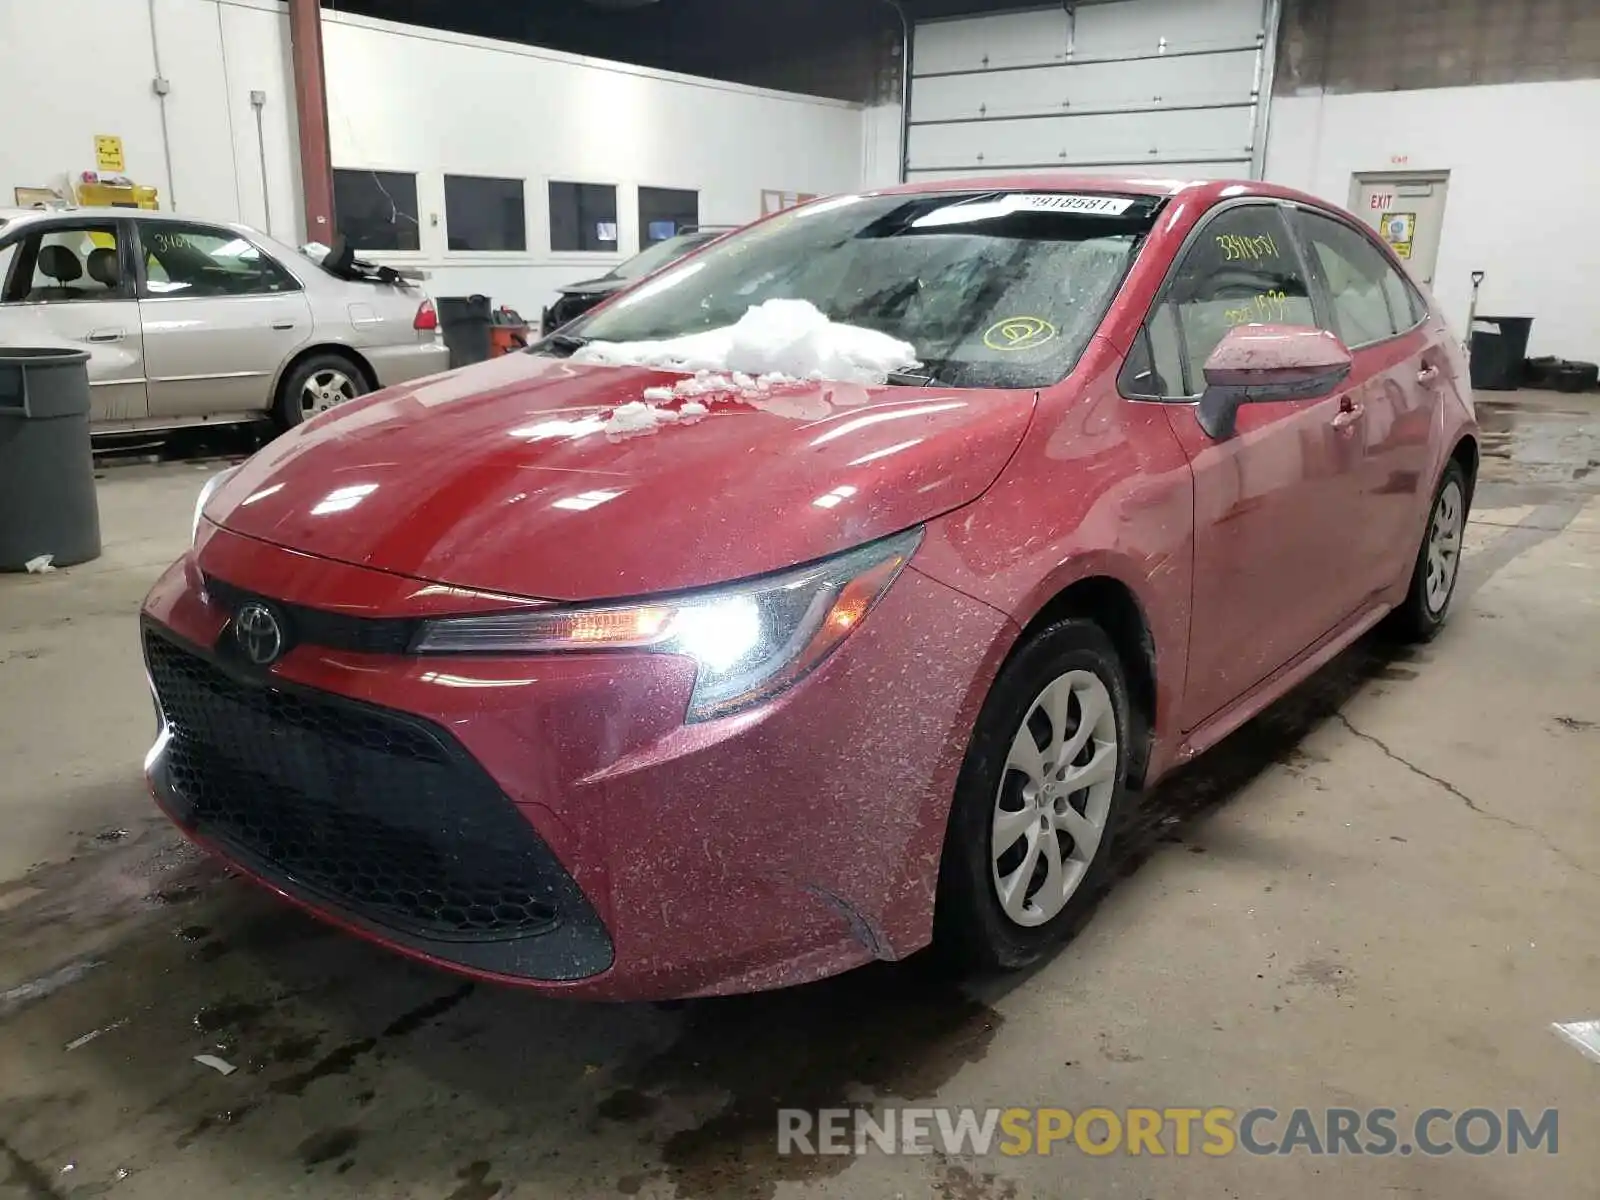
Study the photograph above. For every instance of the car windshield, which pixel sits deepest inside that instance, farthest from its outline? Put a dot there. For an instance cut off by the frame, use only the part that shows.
(994, 289)
(660, 255)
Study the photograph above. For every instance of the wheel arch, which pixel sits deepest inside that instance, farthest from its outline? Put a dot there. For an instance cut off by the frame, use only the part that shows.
(338, 349)
(1466, 454)
(1116, 608)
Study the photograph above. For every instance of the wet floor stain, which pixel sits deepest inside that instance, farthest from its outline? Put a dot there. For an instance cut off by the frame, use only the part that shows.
(25, 1175)
(182, 893)
(897, 1032)
(327, 1145)
(340, 1060)
(628, 1104)
(222, 1120)
(475, 1183)
(1323, 973)
(295, 1048)
(953, 1181)
(1397, 673)
(230, 1015)
(1544, 439)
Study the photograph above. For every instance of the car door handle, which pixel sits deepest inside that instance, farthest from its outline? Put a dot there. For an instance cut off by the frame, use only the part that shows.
(283, 324)
(1347, 417)
(105, 335)
(1428, 376)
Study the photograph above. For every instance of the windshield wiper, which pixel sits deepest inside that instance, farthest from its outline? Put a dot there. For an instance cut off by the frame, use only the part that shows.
(912, 376)
(561, 345)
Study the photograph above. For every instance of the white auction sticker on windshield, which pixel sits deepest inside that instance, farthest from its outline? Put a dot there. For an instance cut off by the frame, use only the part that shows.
(965, 212)
(1110, 206)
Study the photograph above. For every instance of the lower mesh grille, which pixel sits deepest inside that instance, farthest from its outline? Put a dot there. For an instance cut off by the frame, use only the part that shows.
(383, 814)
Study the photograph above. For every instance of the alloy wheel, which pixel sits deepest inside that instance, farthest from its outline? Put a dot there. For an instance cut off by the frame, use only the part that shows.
(325, 388)
(1052, 807)
(1444, 546)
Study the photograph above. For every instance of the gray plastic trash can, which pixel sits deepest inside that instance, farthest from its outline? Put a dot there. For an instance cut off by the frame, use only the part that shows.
(467, 325)
(47, 496)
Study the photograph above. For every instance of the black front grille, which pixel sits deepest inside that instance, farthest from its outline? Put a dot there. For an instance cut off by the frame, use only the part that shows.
(319, 627)
(378, 812)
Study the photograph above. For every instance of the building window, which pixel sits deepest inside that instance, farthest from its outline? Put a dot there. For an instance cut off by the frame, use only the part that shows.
(376, 210)
(485, 214)
(583, 216)
(665, 213)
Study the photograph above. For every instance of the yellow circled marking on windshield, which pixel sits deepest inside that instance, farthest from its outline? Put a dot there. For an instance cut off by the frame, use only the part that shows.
(1018, 333)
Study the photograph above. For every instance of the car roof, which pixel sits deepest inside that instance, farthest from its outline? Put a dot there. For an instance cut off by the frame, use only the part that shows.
(1122, 185)
(75, 212)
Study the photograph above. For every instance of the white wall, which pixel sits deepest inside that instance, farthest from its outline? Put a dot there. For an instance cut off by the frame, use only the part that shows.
(96, 78)
(404, 98)
(1523, 177)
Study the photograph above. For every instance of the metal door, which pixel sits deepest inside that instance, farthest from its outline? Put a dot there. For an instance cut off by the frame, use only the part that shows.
(220, 319)
(1167, 87)
(1405, 210)
(1394, 385)
(1273, 501)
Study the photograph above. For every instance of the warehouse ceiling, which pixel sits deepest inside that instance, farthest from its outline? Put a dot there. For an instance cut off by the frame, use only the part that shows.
(841, 48)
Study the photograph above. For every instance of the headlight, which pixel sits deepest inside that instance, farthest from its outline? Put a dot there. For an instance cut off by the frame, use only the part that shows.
(750, 641)
(210, 490)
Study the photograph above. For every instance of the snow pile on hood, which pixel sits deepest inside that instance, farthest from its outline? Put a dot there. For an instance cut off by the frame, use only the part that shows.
(637, 418)
(734, 386)
(792, 338)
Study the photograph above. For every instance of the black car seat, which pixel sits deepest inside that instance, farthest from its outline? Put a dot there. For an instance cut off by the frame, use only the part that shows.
(104, 267)
(62, 265)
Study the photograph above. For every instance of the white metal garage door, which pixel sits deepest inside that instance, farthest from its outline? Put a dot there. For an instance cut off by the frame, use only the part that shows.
(1163, 87)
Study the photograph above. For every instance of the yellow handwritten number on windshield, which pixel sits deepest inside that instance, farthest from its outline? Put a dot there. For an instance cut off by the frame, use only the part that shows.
(1019, 333)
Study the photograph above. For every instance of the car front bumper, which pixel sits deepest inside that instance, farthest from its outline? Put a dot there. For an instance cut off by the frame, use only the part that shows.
(550, 821)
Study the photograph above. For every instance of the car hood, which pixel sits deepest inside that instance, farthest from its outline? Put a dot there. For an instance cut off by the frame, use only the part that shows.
(502, 478)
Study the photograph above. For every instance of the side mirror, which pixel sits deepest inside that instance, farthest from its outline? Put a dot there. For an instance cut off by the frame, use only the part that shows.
(1257, 364)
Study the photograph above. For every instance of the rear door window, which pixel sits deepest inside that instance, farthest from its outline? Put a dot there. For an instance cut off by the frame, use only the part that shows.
(67, 264)
(1370, 299)
(194, 260)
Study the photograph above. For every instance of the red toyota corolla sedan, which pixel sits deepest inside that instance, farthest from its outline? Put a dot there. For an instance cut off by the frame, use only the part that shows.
(830, 593)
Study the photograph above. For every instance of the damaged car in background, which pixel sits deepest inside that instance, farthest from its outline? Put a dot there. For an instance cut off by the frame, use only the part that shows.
(575, 299)
(191, 322)
(831, 593)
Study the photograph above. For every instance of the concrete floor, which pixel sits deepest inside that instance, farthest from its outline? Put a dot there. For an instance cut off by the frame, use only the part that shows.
(1381, 893)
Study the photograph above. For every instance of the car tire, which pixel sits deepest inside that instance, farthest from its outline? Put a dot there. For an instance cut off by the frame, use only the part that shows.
(315, 385)
(1002, 906)
(1437, 568)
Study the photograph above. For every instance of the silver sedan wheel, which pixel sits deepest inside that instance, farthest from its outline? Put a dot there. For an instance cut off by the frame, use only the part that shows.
(324, 389)
(1444, 546)
(1051, 810)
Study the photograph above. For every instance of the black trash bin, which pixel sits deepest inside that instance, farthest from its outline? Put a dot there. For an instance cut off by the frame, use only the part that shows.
(468, 328)
(1498, 354)
(47, 497)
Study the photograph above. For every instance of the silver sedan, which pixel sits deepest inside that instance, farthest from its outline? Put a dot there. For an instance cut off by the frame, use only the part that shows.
(191, 321)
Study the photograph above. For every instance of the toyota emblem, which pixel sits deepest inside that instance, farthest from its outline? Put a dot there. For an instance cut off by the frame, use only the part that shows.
(259, 633)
